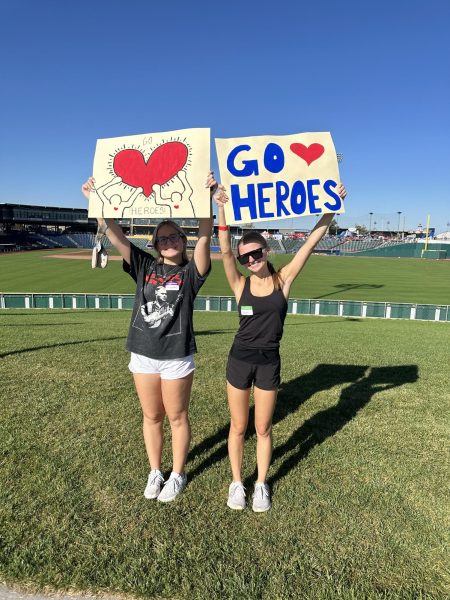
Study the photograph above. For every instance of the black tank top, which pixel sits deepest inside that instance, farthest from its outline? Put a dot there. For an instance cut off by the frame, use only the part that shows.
(261, 319)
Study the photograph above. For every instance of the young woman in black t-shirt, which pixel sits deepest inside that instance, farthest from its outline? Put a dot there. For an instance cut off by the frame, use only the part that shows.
(254, 358)
(161, 338)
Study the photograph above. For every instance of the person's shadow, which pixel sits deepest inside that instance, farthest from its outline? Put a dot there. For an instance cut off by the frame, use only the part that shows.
(364, 383)
(328, 422)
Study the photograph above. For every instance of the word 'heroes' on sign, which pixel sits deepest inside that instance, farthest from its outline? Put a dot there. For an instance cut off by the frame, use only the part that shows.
(296, 199)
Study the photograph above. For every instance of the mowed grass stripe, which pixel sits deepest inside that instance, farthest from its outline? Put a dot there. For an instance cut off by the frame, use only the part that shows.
(328, 277)
(360, 462)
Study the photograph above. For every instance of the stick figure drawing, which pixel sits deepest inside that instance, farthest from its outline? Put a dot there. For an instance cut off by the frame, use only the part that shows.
(177, 201)
(117, 200)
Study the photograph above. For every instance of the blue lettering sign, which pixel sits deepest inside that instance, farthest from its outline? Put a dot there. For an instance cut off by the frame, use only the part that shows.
(281, 195)
(262, 200)
(298, 198)
(274, 158)
(312, 197)
(239, 202)
(329, 183)
(250, 166)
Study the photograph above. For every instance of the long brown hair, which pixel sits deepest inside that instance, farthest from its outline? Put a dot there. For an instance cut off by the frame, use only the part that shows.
(255, 237)
(160, 259)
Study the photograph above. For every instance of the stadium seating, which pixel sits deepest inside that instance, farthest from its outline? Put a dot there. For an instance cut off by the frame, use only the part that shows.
(291, 246)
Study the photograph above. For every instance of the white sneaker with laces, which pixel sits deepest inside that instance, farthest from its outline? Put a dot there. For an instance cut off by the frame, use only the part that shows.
(236, 496)
(261, 498)
(154, 484)
(173, 486)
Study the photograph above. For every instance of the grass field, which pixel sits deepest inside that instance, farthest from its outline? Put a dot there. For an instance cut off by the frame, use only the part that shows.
(359, 473)
(329, 277)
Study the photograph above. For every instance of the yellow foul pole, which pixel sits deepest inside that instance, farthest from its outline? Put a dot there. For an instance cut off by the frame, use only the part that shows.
(428, 228)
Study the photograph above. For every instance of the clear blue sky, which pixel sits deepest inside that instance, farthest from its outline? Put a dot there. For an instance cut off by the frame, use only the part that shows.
(375, 74)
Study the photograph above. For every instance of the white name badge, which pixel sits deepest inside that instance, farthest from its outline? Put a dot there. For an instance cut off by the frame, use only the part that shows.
(246, 310)
(172, 286)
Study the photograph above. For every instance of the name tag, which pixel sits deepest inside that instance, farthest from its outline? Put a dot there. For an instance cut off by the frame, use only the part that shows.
(172, 286)
(246, 310)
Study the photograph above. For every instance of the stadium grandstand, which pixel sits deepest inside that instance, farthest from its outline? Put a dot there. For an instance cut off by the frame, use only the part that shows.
(27, 227)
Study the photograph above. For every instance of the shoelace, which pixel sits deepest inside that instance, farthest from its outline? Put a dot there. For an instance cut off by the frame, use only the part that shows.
(237, 489)
(156, 477)
(263, 489)
(176, 481)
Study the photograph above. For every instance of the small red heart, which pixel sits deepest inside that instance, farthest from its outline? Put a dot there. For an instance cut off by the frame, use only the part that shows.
(176, 206)
(116, 208)
(308, 153)
(163, 164)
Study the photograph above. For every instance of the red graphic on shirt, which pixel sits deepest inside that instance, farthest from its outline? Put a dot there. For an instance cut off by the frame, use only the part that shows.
(154, 279)
(163, 164)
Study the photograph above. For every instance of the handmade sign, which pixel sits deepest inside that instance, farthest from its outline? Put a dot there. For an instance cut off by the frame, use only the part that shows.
(153, 175)
(279, 177)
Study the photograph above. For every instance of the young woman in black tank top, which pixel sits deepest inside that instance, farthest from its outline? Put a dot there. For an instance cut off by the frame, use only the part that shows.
(254, 356)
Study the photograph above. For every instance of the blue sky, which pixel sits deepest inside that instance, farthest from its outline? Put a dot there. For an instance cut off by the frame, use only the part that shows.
(375, 74)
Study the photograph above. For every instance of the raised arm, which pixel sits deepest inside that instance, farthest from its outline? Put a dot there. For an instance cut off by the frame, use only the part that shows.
(109, 227)
(235, 279)
(202, 252)
(290, 271)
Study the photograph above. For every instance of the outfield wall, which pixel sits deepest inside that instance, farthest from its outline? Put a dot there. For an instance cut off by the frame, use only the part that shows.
(407, 250)
(337, 308)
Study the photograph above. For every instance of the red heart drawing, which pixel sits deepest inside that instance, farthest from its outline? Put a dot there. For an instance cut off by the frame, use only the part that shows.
(116, 208)
(176, 206)
(308, 153)
(163, 164)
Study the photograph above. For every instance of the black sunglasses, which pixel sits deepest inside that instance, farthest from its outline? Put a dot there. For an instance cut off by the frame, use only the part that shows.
(255, 254)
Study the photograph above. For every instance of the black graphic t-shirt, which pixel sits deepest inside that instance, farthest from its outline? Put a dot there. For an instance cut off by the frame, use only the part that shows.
(161, 324)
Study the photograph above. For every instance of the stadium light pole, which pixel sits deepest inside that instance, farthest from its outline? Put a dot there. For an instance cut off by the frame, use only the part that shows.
(370, 222)
(399, 212)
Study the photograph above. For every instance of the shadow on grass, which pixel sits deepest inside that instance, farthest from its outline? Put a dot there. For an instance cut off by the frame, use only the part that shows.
(347, 287)
(326, 423)
(213, 331)
(364, 383)
(40, 324)
(47, 312)
(326, 320)
(45, 347)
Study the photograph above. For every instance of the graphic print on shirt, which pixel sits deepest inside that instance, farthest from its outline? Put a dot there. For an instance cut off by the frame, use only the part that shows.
(161, 295)
(156, 311)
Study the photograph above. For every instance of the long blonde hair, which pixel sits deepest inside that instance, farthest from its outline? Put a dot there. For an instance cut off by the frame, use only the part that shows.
(256, 237)
(160, 259)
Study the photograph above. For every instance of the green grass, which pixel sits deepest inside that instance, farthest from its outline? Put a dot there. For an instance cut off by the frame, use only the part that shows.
(329, 277)
(360, 506)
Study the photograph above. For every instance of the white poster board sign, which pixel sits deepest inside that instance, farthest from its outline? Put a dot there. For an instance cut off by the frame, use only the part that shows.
(152, 175)
(279, 177)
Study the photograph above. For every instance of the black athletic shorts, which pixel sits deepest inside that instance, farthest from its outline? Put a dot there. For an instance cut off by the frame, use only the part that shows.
(263, 371)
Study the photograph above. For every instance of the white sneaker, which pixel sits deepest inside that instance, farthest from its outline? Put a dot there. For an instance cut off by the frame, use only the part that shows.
(173, 486)
(261, 498)
(154, 484)
(236, 496)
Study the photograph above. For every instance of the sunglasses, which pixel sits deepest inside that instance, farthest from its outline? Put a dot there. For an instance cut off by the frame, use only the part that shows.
(165, 239)
(257, 254)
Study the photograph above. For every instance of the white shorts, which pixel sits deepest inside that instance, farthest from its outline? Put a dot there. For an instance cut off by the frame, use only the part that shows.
(175, 368)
